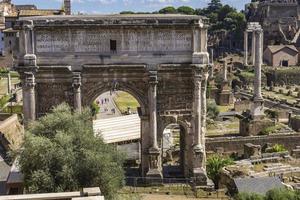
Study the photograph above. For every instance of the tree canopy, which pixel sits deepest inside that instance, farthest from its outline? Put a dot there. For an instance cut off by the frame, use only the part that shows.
(221, 17)
(61, 153)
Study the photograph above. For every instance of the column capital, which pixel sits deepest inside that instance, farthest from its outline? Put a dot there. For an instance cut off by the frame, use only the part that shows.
(28, 25)
(153, 78)
(76, 80)
(30, 60)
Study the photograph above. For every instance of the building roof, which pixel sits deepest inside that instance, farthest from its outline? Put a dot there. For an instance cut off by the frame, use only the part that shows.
(257, 185)
(38, 12)
(25, 7)
(118, 129)
(34, 12)
(276, 48)
(15, 175)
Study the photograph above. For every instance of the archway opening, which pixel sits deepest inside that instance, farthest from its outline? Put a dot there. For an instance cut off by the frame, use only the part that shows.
(117, 120)
(112, 104)
(173, 150)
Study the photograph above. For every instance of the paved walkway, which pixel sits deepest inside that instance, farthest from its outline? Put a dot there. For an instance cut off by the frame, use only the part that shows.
(107, 107)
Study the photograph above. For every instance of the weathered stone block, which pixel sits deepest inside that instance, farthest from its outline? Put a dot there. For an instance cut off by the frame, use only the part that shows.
(251, 150)
(254, 127)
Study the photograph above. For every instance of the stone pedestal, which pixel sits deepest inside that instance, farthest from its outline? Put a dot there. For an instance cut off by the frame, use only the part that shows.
(154, 175)
(199, 172)
(249, 127)
(224, 95)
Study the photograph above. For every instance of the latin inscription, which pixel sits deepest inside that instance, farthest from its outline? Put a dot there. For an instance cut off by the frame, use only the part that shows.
(99, 40)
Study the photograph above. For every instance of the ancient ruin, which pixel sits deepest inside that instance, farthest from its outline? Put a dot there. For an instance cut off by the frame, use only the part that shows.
(161, 60)
(255, 121)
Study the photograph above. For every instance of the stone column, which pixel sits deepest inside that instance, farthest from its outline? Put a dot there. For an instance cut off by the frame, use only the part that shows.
(197, 110)
(29, 103)
(212, 56)
(9, 89)
(198, 149)
(77, 90)
(225, 71)
(257, 110)
(245, 48)
(203, 112)
(258, 63)
(253, 48)
(154, 151)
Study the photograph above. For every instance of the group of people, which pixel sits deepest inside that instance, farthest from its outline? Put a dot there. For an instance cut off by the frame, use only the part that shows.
(103, 102)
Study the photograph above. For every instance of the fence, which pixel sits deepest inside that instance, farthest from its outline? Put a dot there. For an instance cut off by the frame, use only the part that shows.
(174, 186)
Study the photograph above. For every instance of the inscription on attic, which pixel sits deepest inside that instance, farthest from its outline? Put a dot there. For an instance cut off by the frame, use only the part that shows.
(126, 40)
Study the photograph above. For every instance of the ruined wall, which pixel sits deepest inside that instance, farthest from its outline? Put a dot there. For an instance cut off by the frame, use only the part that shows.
(236, 144)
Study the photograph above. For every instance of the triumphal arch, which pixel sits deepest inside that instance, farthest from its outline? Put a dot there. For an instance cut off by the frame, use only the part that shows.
(161, 60)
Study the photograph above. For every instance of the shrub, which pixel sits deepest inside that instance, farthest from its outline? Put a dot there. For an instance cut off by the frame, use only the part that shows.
(247, 196)
(277, 148)
(95, 108)
(214, 165)
(212, 110)
(4, 100)
(282, 194)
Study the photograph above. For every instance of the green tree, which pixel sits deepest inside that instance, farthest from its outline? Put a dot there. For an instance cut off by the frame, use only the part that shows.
(214, 5)
(168, 10)
(95, 108)
(224, 11)
(127, 12)
(61, 153)
(186, 10)
(214, 165)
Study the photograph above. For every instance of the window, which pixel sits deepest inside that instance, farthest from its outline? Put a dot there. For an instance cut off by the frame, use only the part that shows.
(113, 45)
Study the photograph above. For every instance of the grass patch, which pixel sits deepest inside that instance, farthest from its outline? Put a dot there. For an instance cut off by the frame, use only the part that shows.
(124, 100)
(271, 129)
(225, 108)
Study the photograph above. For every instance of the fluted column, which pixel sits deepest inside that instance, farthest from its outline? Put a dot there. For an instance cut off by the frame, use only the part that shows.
(9, 89)
(198, 116)
(203, 112)
(253, 48)
(154, 151)
(77, 90)
(29, 103)
(245, 48)
(197, 110)
(257, 110)
(225, 71)
(258, 63)
(152, 107)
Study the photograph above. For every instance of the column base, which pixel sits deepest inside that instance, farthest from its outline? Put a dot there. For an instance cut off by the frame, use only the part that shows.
(154, 175)
(200, 177)
(257, 112)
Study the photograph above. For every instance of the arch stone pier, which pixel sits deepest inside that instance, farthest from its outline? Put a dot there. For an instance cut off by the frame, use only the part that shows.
(161, 60)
